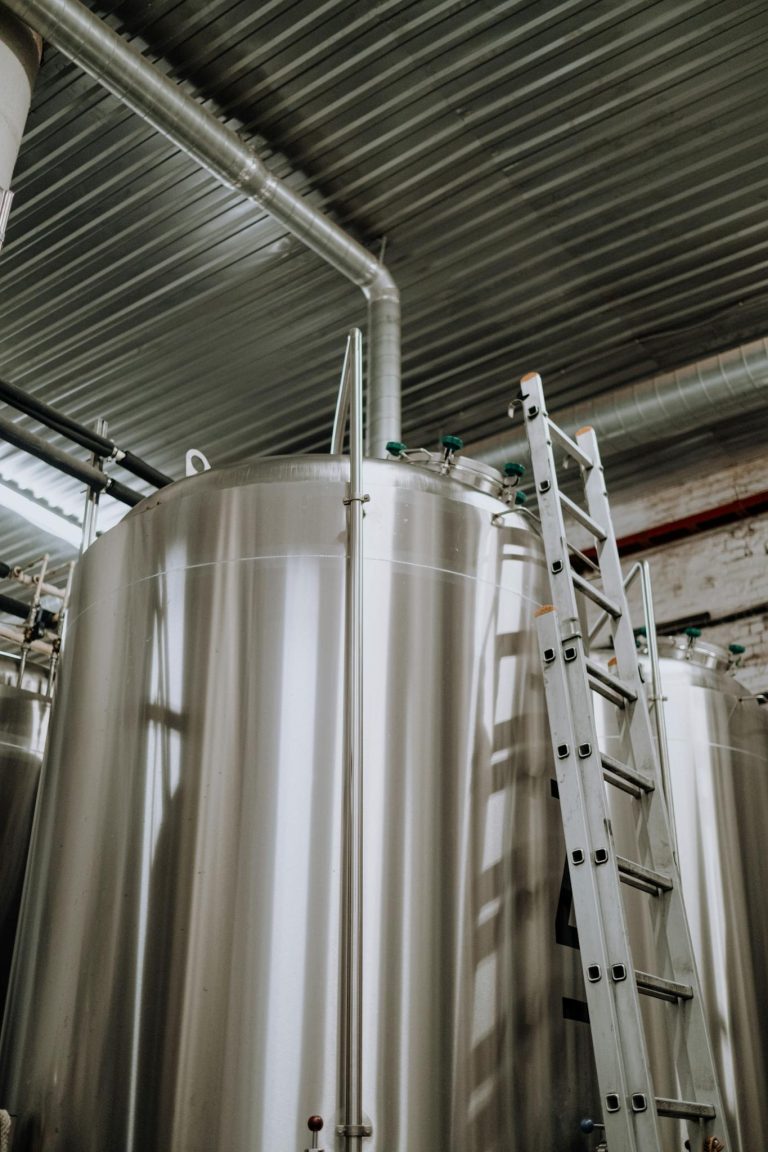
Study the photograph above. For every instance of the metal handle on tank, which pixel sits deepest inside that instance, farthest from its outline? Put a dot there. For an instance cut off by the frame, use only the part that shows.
(352, 1125)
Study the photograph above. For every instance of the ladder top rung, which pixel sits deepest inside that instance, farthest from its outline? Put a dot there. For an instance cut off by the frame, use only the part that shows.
(581, 517)
(662, 989)
(631, 775)
(684, 1109)
(596, 595)
(646, 876)
(570, 446)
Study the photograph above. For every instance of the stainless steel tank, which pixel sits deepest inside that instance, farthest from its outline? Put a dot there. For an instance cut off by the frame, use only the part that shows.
(176, 985)
(718, 752)
(23, 726)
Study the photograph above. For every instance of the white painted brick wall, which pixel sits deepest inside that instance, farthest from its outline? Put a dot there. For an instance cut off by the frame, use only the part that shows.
(721, 571)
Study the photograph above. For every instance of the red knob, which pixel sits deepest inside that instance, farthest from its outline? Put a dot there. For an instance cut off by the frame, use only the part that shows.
(315, 1123)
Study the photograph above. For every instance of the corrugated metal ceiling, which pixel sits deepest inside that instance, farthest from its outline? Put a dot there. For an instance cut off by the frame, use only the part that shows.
(574, 187)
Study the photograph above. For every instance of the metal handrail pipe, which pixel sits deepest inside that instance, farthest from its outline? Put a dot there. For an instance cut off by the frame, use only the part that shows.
(120, 67)
(61, 460)
(80, 434)
(657, 694)
(342, 404)
(352, 933)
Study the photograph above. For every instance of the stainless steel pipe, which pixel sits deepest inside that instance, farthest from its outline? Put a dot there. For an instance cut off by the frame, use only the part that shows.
(352, 919)
(121, 68)
(20, 52)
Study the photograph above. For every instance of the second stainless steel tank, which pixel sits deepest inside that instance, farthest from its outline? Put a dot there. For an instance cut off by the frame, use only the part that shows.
(718, 752)
(23, 726)
(176, 988)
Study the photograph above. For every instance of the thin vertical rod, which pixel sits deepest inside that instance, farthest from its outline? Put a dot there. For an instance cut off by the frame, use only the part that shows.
(342, 405)
(31, 617)
(91, 513)
(352, 948)
(658, 696)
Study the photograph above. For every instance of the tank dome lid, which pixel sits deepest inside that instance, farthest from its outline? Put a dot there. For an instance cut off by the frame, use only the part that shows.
(695, 651)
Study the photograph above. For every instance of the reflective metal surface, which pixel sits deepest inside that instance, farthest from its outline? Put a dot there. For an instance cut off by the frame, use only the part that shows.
(23, 726)
(176, 984)
(718, 751)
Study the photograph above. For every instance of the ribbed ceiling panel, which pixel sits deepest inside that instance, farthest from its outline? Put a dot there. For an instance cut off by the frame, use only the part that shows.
(574, 187)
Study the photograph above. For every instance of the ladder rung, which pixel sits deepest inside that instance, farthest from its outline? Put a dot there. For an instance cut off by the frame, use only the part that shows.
(645, 878)
(607, 692)
(595, 595)
(584, 559)
(684, 1109)
(662, 989)
(605, 677)
(583, 518)
(570, 446)
(634, 780)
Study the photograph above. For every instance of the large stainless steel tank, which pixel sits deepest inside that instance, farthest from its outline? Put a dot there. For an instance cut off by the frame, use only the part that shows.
(718, 751)
(176, 986)
(23, 726)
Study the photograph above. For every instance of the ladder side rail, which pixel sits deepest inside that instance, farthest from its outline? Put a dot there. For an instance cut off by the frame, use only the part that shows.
(693, 1052)
(551, 516)
(612, 996)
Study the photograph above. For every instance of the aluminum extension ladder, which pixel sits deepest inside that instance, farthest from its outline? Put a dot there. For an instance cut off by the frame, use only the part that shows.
(630, 1105)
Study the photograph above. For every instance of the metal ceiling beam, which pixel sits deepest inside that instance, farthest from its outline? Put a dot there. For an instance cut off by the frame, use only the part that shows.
(90, 43)
(664, 407)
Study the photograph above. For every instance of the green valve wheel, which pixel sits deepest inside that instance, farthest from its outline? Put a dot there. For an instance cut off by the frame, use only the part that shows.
(694, 633)
(452, 443)
(736, 649)
(520, 498)
(513, 469)
(640, 631)
(395, 448)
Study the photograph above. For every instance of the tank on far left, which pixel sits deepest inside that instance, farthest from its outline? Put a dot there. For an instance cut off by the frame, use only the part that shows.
(24, 713)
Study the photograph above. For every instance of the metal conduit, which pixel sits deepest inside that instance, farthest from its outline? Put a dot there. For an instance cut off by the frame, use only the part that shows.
(100, 52)
(85, 437)
(658, 408)
(93, 477)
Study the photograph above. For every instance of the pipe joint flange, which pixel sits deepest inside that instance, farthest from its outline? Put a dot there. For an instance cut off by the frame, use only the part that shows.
(352, 1130)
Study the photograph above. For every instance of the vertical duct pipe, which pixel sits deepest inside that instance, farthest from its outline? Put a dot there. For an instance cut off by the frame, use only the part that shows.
(121, 68)
(20, 51)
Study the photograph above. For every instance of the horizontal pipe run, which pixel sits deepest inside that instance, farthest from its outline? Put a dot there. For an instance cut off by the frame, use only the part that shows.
(16, 608)
(17, 637)
(121, 68)
(656, 409)
(81, 435)
(86, 473)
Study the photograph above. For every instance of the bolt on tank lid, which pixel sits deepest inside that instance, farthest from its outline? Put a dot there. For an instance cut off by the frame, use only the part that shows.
(467, 471)
(690, 646)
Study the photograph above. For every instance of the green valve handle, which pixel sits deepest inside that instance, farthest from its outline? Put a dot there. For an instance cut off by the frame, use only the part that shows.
(513, 469)
(694, 633)
(736, 649)
(520, 498)
(452, 443)
(640, 631)
(395, 448)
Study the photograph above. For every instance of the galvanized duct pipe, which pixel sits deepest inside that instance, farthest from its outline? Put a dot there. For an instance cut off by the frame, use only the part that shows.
(100, 52)
(660, 408)
(20, 51)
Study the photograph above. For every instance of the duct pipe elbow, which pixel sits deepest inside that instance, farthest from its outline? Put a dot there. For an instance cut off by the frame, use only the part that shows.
(384, 383)
(20, 52)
